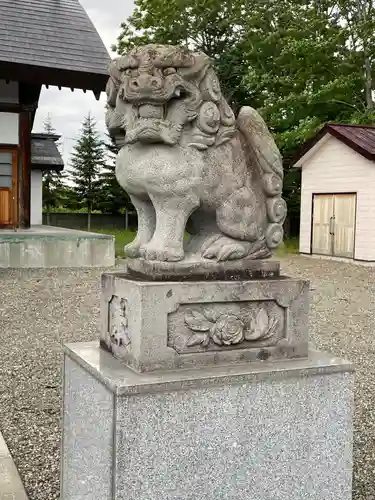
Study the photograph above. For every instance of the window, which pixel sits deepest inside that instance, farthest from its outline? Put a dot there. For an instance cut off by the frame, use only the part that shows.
(5, 169)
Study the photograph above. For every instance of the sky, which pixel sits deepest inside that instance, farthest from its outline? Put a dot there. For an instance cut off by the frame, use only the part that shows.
(67, 108)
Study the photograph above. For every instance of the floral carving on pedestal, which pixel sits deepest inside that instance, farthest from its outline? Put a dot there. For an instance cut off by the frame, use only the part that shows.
(228, 329)
(118, 322)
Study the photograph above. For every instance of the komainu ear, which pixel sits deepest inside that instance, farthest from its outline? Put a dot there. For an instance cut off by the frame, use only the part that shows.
(210, 86)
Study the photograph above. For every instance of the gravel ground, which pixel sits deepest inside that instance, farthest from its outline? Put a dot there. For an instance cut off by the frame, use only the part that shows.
(39, 310)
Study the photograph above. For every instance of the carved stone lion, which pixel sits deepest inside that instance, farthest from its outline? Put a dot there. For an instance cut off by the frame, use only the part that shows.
(186, 161)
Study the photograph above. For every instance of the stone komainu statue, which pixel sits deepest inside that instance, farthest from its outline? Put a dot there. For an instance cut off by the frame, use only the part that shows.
(186, 161)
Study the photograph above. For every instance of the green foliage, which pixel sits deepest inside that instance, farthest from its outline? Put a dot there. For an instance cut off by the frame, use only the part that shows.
(113, 198)
(53, 182)
(122, 238)
(301, 63)
(213, 26)
(67, 210)
(290, 246)
(86, 162)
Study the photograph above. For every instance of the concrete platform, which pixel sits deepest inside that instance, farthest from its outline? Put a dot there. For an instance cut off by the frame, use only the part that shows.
(47, 246)
(11, 487)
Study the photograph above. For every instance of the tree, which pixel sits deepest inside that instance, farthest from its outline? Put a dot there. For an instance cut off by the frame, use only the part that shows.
(299, 77)
(358, 17)
(53, 181)
(113, 198)
(85, 166)
(213, 26)
(301, 63)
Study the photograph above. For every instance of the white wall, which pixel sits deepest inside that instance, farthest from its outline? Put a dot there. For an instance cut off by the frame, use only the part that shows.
(9, 128)
(8, 121)
(36, 198)
(336, 168)
(8, 92)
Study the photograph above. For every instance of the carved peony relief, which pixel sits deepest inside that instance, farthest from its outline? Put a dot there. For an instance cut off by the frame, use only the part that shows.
(227, 329)
(240, 325)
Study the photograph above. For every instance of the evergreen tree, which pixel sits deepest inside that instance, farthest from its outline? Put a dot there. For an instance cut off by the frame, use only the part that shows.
(113, 198)
(53, 181)
(85, 167)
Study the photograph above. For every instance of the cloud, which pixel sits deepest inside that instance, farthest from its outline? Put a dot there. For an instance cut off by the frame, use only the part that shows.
(67, 108)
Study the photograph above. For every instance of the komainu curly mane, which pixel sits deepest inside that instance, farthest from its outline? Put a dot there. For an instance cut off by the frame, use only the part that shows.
(185, 160)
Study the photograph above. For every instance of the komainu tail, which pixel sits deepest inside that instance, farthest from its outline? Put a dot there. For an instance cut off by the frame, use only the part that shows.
(264, 155)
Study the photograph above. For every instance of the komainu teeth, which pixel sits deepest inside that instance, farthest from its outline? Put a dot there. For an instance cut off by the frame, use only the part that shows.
(177, 92)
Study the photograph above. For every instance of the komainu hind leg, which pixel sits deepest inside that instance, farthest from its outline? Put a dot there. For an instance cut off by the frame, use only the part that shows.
(241, 235)
(240, 215)
(221, 247)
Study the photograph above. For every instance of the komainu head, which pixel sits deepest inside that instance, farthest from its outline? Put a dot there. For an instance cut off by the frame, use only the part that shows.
(167, 94)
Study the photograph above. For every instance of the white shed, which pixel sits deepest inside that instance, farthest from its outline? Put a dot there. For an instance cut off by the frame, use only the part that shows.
(338, 193)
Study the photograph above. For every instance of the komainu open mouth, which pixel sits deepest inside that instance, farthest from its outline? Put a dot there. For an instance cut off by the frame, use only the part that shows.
(150, 111)
(150, 129)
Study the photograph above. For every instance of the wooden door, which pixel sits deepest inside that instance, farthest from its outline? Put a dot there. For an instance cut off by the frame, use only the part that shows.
(322, 242)
(8, 188)
(344, 225)
(334, 224)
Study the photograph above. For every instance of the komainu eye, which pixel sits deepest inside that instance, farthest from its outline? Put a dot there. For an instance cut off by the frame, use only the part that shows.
(128, 72)
(169, 71)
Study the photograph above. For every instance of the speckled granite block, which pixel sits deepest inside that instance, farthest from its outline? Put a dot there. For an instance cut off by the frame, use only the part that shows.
(167, 325)
(87, 446)
(259, 431)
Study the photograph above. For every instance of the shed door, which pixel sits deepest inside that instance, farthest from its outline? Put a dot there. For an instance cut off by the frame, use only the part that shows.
(334, 224)
(344, 222)
(8, 187)
(322, 242)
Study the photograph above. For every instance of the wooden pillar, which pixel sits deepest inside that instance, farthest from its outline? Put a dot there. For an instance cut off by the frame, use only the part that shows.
(28, 98)
(25, 177)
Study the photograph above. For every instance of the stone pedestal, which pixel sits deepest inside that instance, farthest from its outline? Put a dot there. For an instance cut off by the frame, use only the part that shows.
(205, 390)
(167, 325)
(255, 431)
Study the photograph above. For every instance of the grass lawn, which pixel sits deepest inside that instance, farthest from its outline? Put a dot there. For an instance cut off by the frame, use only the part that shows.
(289, 246)
(122, 238)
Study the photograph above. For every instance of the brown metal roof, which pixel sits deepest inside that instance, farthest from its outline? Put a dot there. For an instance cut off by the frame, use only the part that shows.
(361, 138)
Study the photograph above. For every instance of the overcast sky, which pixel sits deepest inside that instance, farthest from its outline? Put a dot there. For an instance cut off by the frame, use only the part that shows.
(68, 108)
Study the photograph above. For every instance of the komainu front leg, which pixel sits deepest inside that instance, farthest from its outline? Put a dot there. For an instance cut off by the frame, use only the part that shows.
(171, 218)
(146, 226)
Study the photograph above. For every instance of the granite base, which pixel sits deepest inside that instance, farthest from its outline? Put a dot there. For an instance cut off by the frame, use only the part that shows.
(257, 431)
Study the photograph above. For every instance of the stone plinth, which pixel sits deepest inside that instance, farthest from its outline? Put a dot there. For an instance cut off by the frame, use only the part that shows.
(255, 431)
(49, 247)
(195, 269)
(168, 325)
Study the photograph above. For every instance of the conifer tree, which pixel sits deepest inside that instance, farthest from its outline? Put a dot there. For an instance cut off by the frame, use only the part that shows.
(113, 198)
(86, 163)
(53, 181)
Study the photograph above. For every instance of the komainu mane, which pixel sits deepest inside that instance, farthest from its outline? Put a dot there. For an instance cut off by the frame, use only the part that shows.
(187, 162)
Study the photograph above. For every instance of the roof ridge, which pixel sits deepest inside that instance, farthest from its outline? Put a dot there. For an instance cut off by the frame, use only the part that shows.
(45, 135)
(353, 125)
(361, 139)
